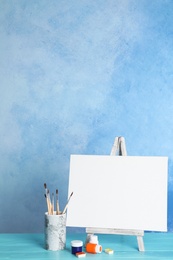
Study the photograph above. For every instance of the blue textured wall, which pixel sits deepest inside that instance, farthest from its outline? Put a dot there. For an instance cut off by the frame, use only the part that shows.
(73, 75)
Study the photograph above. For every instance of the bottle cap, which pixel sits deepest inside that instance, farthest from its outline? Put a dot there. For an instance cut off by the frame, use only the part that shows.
(98, 248)
(76, 243)
(93, 239)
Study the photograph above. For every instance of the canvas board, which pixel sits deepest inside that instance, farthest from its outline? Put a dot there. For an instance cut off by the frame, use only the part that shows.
(119, 192)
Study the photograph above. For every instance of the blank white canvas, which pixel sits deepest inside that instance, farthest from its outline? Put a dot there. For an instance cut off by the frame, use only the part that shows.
(120, 192)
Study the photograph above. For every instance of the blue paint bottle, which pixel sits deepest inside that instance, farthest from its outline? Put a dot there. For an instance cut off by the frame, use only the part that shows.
(76, 246)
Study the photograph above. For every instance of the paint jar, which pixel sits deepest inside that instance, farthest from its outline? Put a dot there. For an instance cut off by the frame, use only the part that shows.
(76, 246)
(93, 239)
(55, 231)
(87, 239)
(93, 248)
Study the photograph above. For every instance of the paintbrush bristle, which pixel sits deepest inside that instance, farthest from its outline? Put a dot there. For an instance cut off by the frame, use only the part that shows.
(45, 186)
(57, 191)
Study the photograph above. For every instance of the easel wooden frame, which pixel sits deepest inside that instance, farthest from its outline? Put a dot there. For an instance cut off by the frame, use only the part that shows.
(120, 148)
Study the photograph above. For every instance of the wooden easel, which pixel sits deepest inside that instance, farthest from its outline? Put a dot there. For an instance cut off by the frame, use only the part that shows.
(120, 148)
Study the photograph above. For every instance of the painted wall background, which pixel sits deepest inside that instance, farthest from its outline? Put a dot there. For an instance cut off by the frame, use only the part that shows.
(73, 75)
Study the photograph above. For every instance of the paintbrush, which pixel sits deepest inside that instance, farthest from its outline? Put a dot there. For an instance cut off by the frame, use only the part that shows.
(64, 211)
(47, 192)
(49, 202)
(46, 202)
(45, 187)
(52, 208)
(57, 203)
(47, 198)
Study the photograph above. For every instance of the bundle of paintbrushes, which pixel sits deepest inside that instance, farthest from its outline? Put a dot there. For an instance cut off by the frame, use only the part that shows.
(50, 201)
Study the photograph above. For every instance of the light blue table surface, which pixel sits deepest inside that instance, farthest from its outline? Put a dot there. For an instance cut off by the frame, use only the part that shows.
(31, 246)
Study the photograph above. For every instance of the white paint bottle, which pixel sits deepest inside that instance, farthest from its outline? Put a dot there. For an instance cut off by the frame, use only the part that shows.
(93, 239)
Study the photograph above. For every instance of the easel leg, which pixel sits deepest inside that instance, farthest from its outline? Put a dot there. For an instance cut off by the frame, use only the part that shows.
(140, 243)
